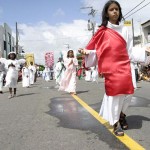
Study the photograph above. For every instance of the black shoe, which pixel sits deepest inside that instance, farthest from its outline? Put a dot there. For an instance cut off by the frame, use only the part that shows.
(1, 92)
(123, 121)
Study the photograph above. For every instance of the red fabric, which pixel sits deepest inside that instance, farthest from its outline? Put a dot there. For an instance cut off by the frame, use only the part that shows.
(79, 72)
(83, 64)
(113, 61)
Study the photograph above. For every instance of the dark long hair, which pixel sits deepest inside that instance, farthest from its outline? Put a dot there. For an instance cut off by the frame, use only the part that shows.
(68, 53)
(105, 19)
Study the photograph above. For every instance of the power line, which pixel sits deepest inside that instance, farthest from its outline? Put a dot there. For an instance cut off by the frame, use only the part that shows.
(93, 11)
(137, 10)
(134, 8)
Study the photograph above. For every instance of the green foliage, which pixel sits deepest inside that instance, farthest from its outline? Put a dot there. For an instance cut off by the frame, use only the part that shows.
(41, 67)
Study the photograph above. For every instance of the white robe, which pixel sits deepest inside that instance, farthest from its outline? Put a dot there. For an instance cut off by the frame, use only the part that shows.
(88, 76)
(94, 75)
(12, 73)
(25, 77)
(68, 83)
(1, 80)
(59, 72)
(46, 74)
(32, 70)
(113, 105)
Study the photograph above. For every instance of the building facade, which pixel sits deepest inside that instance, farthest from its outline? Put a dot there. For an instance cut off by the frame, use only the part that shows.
(146, 32)
(7, 41)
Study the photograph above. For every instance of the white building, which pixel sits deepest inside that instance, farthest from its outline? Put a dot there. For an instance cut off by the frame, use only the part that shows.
(6, 40)
(146, 32)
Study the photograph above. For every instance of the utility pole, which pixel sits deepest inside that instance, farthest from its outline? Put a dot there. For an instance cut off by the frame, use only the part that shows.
(133, 32)
(16, 40)
(91, 23)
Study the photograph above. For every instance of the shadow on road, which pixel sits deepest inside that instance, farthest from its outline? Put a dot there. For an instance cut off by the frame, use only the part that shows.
(135, 121)
(79, 92)
(27, 94)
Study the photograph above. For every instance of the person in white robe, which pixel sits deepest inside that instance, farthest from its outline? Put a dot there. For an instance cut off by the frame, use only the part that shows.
(59, 72)
(46, 74)
(51, 73)
(113, 108)
(12, 66)
(32, 70)
(25, 76)
(88, 75)
(94, 75)
(68, 83)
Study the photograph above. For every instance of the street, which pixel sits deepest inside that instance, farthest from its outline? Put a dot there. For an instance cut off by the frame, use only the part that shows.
(43, 118)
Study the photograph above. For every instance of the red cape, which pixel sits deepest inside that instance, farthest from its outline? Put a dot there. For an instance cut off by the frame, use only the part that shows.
(113, 61)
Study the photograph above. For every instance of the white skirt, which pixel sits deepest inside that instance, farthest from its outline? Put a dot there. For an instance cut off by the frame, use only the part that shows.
(112, 106)
(11, 78)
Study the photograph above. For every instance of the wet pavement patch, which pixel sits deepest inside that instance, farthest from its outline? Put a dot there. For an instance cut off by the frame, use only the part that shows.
(73, 116)
(48, 87)
(140, 102)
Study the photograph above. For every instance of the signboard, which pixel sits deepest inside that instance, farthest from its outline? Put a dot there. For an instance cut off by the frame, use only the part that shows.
(127, 23)
(49, 59)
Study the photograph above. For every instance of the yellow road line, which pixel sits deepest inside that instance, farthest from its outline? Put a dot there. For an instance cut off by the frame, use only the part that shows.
(129, 142)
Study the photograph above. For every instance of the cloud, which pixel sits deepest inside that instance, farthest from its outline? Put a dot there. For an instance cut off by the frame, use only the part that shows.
(42, 37)
(59, 12)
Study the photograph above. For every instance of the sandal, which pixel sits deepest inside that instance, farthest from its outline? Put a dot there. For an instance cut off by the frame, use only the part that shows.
(118, 130)
(123, 121)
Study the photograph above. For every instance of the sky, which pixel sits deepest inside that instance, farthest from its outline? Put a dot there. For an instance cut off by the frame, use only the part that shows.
(50, 25)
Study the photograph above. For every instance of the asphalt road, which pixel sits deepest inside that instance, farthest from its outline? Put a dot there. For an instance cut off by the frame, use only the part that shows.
(43, 118)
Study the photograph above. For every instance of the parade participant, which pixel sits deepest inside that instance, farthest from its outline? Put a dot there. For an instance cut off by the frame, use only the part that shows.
(36, 73)
(2, 73)
(46, 74)
(79, 72)
(88, 74)
(94, 75)
(25, 76)
(59, 71)
(12, 66)
(32, 70)
(68, 83)
(51, 73)
(112, 51)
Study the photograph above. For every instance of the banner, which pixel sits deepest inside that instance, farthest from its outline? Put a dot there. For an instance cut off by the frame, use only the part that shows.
(29, 57)
(49, 59)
